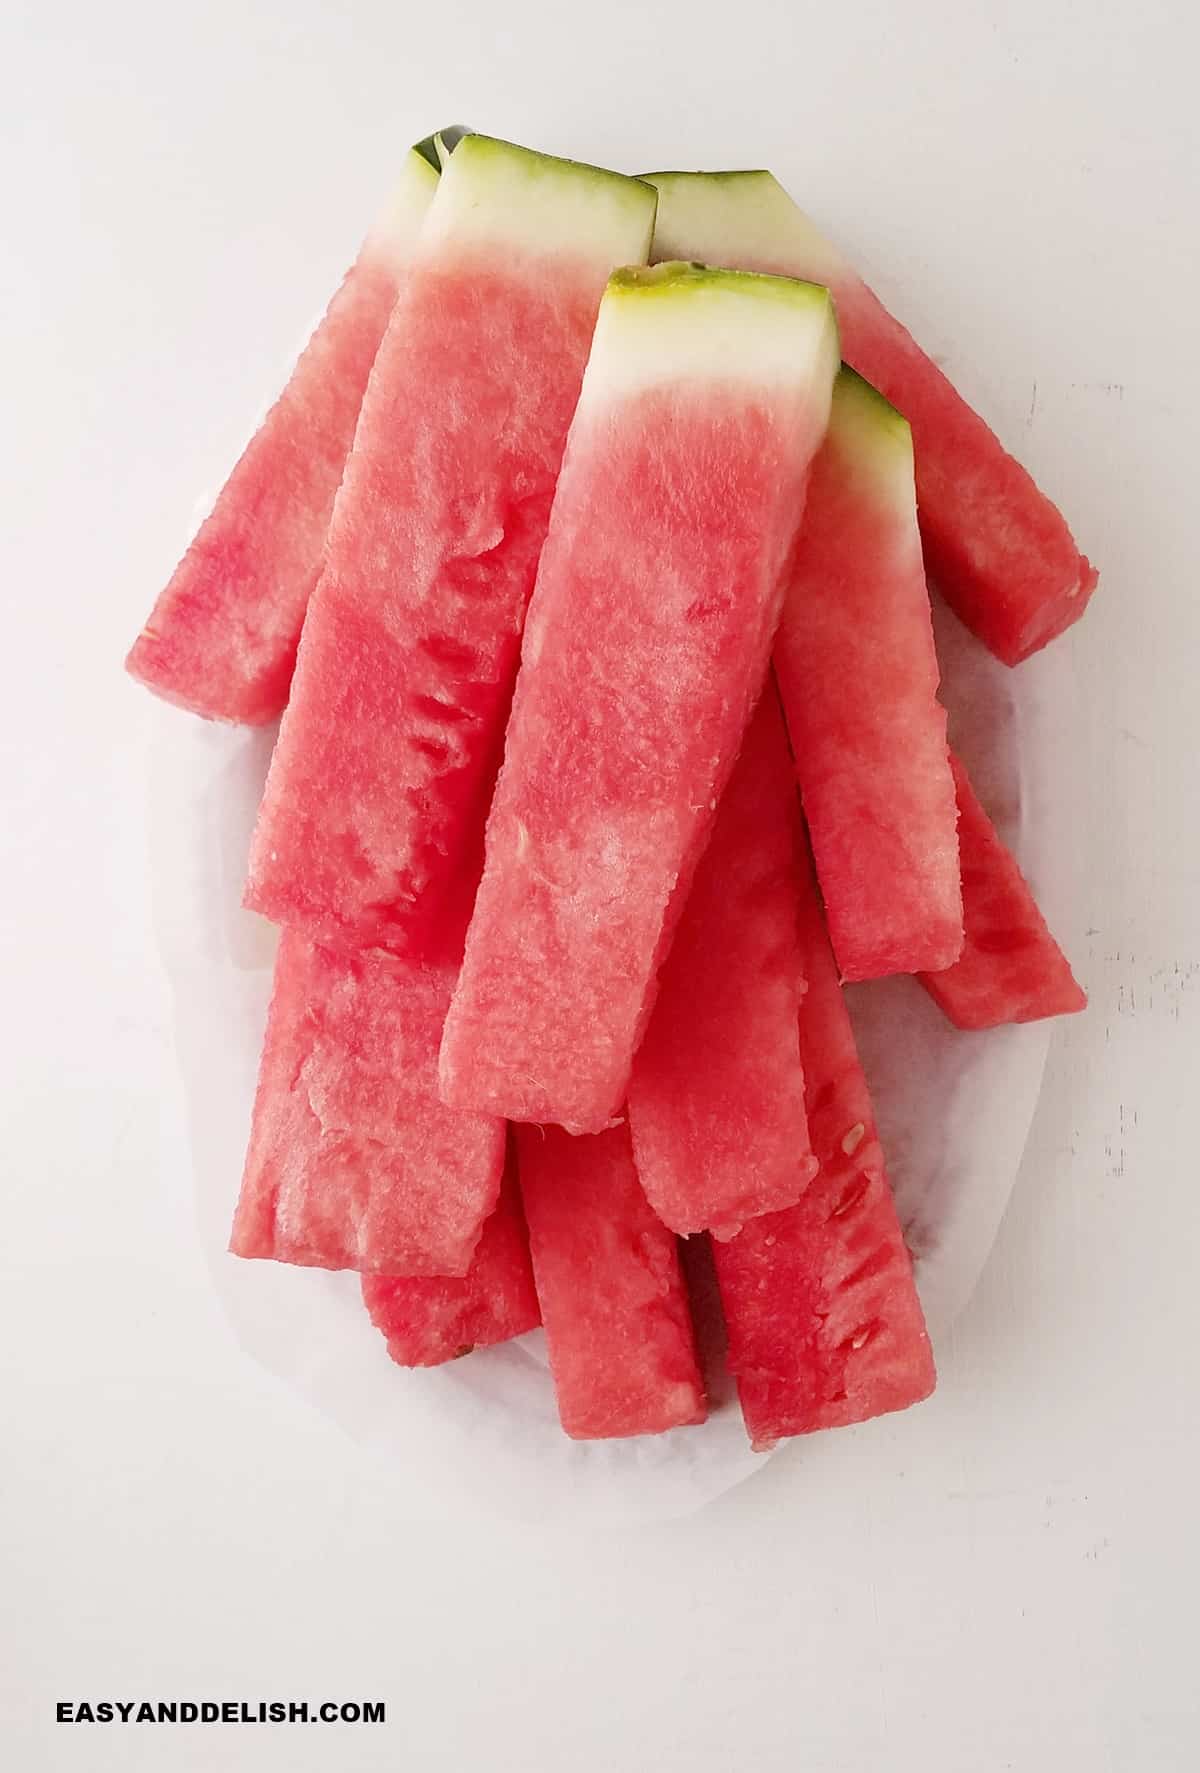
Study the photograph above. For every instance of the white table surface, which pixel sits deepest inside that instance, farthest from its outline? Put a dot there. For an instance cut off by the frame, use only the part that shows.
(1002, 1579)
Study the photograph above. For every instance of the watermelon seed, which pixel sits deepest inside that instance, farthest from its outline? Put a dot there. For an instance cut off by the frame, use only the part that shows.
(435, 749)
(876, 1263)
(436, 709)
(854, 1138)
(852, 1196)
(454, 655)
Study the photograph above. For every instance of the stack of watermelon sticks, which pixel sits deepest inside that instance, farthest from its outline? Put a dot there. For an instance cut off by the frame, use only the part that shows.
(571, 550)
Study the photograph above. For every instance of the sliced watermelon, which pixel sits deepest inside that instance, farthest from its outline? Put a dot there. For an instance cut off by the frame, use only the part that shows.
(716, 1099)
(1012, 969)
(858, 671)
(824, 1324)
(995, 546)
(658, 594)
(428, 1320)
(377, 794)
(221, 640)
(353, 1161)
(618, 1328)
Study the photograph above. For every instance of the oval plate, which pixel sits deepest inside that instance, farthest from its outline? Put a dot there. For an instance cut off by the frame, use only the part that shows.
(954, 1111)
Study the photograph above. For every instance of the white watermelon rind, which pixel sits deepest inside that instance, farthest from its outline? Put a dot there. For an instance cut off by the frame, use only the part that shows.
(680, 322)
(497, 194)
(393, 234)
(746, 218)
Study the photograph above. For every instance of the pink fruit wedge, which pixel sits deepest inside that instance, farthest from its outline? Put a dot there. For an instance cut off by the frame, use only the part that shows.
(658, 593)
(221, 640)
(1011, 969)
(428, 1320)
(372, 823)
(353, 1161)
(858, 672)
(716, 1099)
(995, 546)
(824, 1324)
(618, 1327)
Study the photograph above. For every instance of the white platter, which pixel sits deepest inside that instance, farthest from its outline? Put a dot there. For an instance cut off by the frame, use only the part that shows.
(954, 1110)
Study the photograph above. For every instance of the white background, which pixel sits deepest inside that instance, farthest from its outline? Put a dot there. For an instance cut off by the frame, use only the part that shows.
(1005, 1578)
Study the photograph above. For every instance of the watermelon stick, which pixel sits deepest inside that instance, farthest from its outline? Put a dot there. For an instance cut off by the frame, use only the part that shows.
(613, 1300)
(372, 823)
(858, 672)
(428, 1320)
(221, 640)
(996, 547)
(716, 1099)
(658, 593)
(353, 1161)
(1011, 969)
(823, 1320)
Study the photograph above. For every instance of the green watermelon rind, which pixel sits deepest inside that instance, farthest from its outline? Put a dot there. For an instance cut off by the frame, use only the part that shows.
(671, 279)
(437, 148)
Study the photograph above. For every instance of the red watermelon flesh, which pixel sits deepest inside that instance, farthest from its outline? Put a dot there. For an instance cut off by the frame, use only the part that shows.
(716, 1099)
(612, 1295)
(645, 653)
(372, 821)
(353, 1161)
(996, 547)
(221, 640)
(426, 1320)
(824, 1324)
(858, 672)
(1011, 969)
